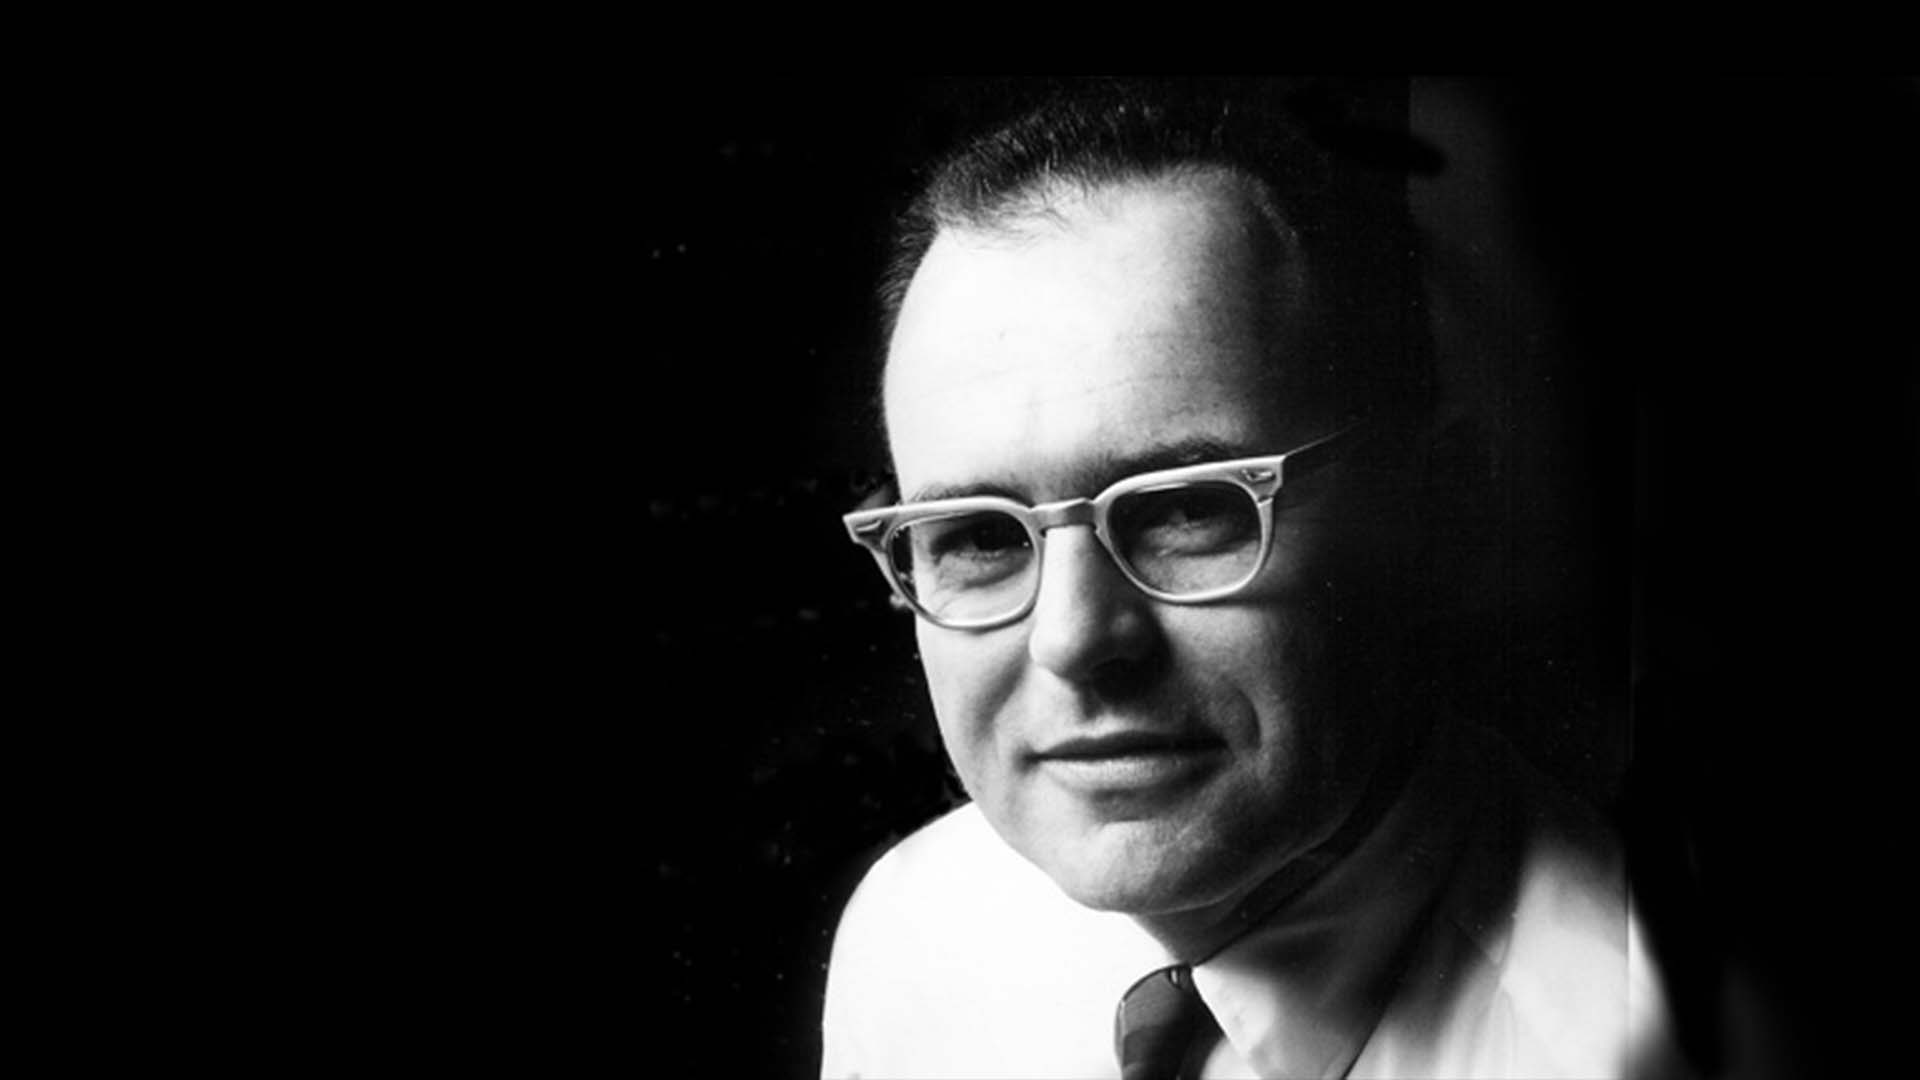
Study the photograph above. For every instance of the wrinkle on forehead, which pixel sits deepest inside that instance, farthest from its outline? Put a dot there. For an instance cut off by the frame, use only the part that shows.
(1180, 397)
(1049, 439)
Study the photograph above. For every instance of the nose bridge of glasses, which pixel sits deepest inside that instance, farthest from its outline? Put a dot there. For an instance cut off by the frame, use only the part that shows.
(1067, 512)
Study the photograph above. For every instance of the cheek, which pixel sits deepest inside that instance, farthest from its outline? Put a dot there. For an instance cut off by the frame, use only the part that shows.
(970, 678)
(1298, 669)
(1262, 672)
(1302, 755)
(1273, 640)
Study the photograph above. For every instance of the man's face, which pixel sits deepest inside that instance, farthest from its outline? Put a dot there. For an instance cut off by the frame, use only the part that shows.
(1152, 758)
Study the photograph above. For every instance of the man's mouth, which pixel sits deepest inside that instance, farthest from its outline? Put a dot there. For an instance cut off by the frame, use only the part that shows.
(1126, 744)
(1126, 760)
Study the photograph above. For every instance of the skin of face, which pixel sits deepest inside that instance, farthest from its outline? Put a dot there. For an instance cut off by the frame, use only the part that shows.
(1152, 758)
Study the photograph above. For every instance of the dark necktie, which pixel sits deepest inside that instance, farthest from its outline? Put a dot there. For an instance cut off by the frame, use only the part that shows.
(1157, 1025)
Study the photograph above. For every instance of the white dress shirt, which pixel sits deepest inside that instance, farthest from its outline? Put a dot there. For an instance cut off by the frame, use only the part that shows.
(1480, 929)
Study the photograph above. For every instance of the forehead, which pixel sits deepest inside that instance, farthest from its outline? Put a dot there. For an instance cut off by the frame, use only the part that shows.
(1139, 315)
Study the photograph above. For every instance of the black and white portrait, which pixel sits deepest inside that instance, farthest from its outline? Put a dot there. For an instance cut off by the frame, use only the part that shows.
(1284, 576)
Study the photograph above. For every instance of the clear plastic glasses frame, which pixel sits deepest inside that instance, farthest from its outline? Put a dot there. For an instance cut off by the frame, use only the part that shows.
(1261, 478)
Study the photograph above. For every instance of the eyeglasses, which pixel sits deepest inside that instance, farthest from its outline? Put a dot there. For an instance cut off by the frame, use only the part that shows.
(1185, 536)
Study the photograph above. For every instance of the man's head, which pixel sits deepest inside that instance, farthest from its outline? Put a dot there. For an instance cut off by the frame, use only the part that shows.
(1077, 321)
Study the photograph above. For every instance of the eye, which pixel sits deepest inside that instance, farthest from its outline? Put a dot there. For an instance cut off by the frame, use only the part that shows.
(974, 536)
(1192, 519)
(963, 550)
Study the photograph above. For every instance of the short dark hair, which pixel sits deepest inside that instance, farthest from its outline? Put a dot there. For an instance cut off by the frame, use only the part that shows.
(1350, 216)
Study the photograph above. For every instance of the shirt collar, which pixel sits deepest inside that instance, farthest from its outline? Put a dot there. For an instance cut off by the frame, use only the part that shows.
(1299, 994)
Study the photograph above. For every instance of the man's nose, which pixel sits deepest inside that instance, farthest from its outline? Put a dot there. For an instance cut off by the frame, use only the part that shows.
(1088, 615)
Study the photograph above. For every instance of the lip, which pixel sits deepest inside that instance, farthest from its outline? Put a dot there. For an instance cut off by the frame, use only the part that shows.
(1125, 744)
(1126, 760)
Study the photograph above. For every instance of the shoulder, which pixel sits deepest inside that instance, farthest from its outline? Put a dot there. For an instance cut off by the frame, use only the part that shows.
(936, 878)
(955, 849)
(1540, 935)
(954, 893)
(952, 933)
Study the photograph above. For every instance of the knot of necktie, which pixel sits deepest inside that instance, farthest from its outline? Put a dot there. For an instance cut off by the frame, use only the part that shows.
(1158, 1028)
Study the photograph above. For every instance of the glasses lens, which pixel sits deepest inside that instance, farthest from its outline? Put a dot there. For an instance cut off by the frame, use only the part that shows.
(966, 568)
(1187, 539)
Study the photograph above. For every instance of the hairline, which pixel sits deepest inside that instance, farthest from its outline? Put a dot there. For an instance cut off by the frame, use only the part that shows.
(1049, 203)
(1012, 214)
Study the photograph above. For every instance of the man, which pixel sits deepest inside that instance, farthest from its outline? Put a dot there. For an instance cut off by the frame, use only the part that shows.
(1155, 394)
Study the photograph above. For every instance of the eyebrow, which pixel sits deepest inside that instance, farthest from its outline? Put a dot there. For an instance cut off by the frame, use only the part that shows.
(1103, 471)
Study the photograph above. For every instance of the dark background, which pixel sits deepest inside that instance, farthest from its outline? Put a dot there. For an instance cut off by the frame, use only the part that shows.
(1682, 309)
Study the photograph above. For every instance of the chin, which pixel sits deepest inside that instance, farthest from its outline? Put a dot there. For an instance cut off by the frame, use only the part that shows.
(1123, 897)
(1150, 880)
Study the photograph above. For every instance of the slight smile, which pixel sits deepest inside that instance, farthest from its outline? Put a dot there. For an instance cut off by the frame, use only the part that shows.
(1126, 761)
